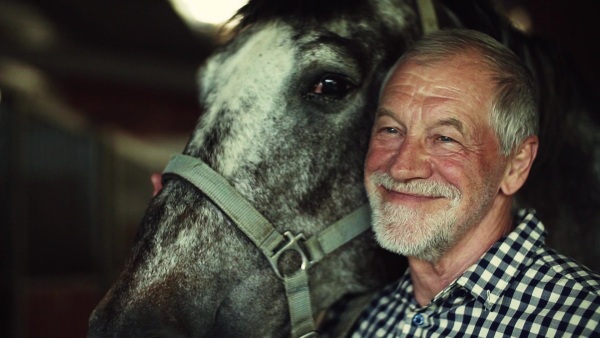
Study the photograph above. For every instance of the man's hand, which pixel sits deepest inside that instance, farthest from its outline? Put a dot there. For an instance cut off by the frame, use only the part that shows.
(156, 183)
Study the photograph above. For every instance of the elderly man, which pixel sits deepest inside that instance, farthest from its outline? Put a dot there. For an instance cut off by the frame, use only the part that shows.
(454, 139)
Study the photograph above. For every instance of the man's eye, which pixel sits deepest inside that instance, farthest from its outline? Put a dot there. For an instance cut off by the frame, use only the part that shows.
(390, 130)
(445, 139)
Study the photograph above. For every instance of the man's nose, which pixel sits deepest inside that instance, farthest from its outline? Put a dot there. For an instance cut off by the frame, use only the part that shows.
(411, 161)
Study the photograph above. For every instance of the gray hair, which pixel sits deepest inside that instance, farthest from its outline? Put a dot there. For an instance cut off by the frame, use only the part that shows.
(514, 115)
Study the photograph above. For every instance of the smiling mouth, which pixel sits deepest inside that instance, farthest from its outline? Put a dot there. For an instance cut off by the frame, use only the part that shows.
(410, 194)
(415, 192)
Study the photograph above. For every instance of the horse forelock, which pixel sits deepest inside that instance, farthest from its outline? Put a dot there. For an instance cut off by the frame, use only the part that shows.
(298, 10)
(397, 15)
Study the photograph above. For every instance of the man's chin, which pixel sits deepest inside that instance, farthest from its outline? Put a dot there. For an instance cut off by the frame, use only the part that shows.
(408, 232)
(396, 237)
(421, 250)
(389, 243)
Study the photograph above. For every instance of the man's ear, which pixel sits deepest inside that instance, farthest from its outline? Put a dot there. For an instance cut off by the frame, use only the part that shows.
(519, 166)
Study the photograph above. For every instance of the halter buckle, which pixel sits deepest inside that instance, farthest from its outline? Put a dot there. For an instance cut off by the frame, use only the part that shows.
(293, 244)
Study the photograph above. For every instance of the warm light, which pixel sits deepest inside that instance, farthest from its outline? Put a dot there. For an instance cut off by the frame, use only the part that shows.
(520, 19)
(207, 12)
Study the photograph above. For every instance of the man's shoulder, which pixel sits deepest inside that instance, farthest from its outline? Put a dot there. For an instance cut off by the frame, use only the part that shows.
(543, 267)
(551, 267)
(557, 294)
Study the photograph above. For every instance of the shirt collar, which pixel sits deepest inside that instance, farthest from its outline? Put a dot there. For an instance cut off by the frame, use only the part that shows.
(491, 275)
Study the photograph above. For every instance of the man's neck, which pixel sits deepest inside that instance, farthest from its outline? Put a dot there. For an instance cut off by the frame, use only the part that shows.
(430, 278)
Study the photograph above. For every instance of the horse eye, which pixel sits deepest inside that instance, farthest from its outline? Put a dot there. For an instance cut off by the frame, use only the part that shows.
(332, 87)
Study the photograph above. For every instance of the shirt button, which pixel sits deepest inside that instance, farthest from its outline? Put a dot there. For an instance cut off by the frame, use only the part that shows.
(418, 319)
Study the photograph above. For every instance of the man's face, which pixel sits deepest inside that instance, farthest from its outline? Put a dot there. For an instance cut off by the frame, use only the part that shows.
(434, 164)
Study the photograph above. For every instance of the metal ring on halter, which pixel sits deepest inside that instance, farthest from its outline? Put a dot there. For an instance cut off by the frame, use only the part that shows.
(293, 244)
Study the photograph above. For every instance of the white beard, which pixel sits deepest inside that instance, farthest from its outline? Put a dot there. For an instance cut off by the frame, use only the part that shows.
(406, 231)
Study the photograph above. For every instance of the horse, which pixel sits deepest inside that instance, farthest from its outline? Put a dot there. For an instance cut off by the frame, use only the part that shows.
(287, 107)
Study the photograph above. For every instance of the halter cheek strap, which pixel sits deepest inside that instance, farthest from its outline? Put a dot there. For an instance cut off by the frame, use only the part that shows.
(271, 242)
(429, 22)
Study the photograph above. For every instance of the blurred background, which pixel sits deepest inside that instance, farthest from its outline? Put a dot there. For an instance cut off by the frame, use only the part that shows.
(95, 95)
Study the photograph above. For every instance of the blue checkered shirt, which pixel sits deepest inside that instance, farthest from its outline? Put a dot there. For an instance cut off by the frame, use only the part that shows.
(519, 288)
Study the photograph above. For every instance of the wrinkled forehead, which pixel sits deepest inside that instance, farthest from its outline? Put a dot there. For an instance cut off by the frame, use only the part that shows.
(466, 68)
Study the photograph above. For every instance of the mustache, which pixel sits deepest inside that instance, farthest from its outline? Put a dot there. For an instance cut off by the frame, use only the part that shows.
(416, 187)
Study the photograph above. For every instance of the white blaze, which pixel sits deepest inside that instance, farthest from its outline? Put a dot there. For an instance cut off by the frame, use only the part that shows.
(250, 83)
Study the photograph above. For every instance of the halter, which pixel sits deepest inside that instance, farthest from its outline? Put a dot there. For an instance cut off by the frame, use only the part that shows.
(269, 241)
(429, 22)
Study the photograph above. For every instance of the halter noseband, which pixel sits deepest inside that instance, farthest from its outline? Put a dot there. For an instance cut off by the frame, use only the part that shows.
(271, 242)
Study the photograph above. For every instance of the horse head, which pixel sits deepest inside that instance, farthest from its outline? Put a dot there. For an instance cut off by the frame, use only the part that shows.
(286, 116)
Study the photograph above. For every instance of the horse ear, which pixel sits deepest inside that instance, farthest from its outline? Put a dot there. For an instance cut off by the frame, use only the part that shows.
(519, 165)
